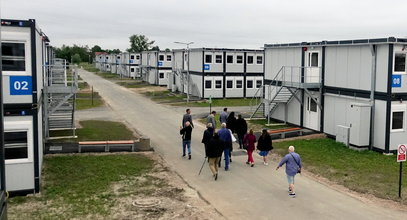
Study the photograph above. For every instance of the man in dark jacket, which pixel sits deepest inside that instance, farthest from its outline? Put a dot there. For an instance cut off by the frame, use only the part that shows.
(264, 145)
(207, 136)
(241, 129)
(214, 152)
(186, 138)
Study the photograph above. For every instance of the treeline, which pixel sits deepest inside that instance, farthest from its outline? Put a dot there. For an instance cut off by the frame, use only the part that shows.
(77, 54)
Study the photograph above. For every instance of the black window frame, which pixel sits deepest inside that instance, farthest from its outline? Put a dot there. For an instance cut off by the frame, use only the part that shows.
(218, 86)
(398, 59)
(261, 59)
(249, 85)
(206, 84)
(161, 74)
(131, 57)
(229, 59)
(218, 58)
(239, 59)
(400, 121)
(169, 56)
(11, 146)
(239, 84)
(257, 83)
(250, 59)
(208, 58)
(13, 56)
(229, 84)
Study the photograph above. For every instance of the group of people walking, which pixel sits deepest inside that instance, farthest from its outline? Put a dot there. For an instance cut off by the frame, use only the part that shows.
(218, 142)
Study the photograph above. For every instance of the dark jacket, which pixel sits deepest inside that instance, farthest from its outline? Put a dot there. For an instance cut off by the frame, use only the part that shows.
(264, 144)
(231, 123)
(186, 133)
(215, 147)
(207, 135)
(241, 126)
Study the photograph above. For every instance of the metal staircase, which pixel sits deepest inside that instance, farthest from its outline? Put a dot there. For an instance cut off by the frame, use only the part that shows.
(283, 89)
(59, 98)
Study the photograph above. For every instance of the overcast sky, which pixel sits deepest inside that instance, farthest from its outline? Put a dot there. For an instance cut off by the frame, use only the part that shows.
(210, 23)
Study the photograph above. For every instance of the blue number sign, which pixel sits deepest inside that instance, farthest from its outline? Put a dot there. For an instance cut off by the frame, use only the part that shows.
(160, 63)
(207, 67)
(20, 85)
(396, 81)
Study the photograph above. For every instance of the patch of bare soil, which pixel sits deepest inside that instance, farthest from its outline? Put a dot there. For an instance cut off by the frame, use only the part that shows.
(149, 89)
(366, 198)
(161, 194)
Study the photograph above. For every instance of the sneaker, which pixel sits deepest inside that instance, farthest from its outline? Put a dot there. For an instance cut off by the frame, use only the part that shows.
(216, 176)
(247, 162)
(292, 194)
(265, 164)
(252, 165)
(226, 169)
(189, 156)
(183, 155)
(230, 160)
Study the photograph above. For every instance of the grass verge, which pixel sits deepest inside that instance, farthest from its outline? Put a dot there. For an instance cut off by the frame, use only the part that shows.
(79, 186)
(217, 103)
(94, 130)
(364, 172)
(84, 99)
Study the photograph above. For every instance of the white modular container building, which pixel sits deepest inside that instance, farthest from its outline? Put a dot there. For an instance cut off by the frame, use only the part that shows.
(219, 73)
(24, 55)
(156, 66)
(358, 85)
(130, 65)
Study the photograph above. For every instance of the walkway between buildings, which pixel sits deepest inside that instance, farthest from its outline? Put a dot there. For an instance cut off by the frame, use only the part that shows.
(243, 192)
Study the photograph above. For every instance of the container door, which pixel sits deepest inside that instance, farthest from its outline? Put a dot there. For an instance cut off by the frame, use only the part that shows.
(311, 116)
(312, 70)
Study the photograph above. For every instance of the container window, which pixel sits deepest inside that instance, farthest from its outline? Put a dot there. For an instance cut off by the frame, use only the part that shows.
(313, 105)
(249, 59)
(218, 84)
(400, 62)
(15, 145)
(132, 70)
(259, 83)
(259, 59)
(398, 120)
(208, 84)
(229, 84)
(208, 58)
(161, 58)
(137, 57)
(314, 60)
(239, 84)
(239, 59)
(169, 57)
(218, 58)
(249, 84)
(131, 57)
(118, 57)
(229, 59)
(161, 75)
(13, 56)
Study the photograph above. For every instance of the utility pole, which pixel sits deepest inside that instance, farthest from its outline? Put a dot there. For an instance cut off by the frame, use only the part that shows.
(187, 44)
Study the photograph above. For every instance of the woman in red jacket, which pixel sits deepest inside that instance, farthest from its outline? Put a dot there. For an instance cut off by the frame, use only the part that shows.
(249, 140)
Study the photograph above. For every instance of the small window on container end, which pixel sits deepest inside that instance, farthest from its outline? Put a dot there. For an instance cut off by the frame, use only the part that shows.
(161, 75)
(259, 83)
(218, 59)
(208, 84)
(15, 145)
(208, 58)
(161, 58)
(218, 84)
(229, 59)
(239, 84)
(132, 57)
(13, 56)
(169, 57)
(239, 59)
(249, 59)
(400, 62)
(259, 59)
(229, 84)
(249, 84)
(398, 120)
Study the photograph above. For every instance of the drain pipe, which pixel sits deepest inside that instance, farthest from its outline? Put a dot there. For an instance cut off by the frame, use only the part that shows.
(373, 50)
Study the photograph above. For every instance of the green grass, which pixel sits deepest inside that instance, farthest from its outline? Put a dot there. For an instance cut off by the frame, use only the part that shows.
(82, 104)
(133, 84)
(94, 130)
(365, 172)
(218, 103)
(79, 186)
(89, 67)
(84, 98)
(165, 96)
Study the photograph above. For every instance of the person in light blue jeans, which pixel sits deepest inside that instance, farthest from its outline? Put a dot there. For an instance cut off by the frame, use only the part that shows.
(225, 136)
(186, 138)
(293, 166)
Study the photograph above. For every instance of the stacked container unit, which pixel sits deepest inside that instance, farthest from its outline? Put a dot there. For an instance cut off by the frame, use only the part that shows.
(114, 63)
(363, 87)
(225, 73)
(23, 59)
(177, 78)
(131, 65)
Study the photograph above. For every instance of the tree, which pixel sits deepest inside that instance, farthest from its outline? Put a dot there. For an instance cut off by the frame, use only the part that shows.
(155, 48)
(76, 58)
(139, 43)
